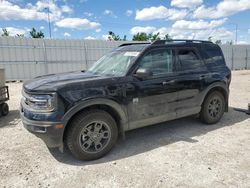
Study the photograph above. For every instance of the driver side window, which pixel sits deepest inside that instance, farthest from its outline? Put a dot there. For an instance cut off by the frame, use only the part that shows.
(158, 61)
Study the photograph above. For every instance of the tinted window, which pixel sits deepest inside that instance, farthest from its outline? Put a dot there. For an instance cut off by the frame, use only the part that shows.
(188, 59)
(158, 61)
(214, 55)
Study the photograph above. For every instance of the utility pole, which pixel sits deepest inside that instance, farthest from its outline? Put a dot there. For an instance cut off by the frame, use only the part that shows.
(236, 33)
(49, 21)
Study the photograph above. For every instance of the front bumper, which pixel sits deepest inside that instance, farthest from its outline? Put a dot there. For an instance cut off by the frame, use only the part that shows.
(47, 131)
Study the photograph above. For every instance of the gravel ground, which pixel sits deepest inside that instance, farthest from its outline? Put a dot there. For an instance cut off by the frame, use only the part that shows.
(183, 153)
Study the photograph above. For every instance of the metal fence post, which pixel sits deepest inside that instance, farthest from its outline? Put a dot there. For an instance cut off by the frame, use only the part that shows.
(81, 47)
(86, 54)
(45, 57)
(232, 67)
(246, 58)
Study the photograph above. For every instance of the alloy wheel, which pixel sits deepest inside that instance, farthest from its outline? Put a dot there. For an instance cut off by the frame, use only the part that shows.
(94, 137)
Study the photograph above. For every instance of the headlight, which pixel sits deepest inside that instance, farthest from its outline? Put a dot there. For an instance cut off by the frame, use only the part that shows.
(43, 102)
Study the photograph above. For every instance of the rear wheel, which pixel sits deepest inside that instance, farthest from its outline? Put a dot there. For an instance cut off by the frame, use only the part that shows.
(213, 108)
(91, 135)
(4, 109)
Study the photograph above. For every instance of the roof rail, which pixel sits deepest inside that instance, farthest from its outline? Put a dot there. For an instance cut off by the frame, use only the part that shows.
(134, 43)
(157, 42)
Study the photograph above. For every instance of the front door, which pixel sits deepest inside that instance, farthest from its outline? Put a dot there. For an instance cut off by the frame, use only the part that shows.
(152, 100)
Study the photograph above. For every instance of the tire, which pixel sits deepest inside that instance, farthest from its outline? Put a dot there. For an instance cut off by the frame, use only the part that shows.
(4, 109)
(213, 108)
(91, 135)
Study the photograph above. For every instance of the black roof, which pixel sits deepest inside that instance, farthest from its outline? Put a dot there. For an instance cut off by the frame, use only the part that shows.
(157, 42)
(179, 42)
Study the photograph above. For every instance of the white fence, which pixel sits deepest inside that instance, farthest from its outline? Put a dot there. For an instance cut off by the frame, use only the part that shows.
(26, 58)
(237, 56)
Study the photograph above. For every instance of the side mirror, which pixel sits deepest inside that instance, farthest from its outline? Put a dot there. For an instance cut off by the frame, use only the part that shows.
(143, 73)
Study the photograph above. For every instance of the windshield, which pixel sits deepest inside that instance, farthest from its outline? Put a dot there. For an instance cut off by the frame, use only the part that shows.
(115, 63)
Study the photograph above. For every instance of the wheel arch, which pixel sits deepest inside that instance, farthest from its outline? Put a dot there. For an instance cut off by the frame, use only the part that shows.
(222, 88)
(108, 105)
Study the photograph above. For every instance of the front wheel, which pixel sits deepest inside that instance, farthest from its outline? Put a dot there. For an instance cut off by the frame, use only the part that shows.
(213, 108)
(91, 135)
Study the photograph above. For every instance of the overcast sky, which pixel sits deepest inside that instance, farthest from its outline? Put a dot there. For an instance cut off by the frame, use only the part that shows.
(92, 19)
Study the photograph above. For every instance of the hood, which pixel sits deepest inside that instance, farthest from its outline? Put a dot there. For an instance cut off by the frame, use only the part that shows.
(54, 81)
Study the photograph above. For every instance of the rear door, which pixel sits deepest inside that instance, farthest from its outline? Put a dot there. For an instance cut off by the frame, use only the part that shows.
(192, 75)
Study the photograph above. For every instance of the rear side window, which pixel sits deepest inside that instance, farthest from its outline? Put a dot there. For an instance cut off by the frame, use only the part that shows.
(158, 61)
(214, 55)
(188, 59)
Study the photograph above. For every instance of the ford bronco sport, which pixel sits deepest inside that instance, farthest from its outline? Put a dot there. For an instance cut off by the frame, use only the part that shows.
(135, 85)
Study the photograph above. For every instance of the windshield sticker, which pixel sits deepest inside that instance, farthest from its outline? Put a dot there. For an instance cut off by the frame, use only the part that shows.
(134, 54)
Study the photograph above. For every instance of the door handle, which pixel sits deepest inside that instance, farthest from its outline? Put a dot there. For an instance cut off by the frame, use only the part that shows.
(202, 77)
(168, 82)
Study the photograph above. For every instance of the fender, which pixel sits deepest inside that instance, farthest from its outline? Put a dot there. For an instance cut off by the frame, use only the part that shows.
(221, 85)
(97, 101)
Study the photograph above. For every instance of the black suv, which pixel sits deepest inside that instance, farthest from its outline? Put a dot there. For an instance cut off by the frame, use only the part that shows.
(136, 85)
